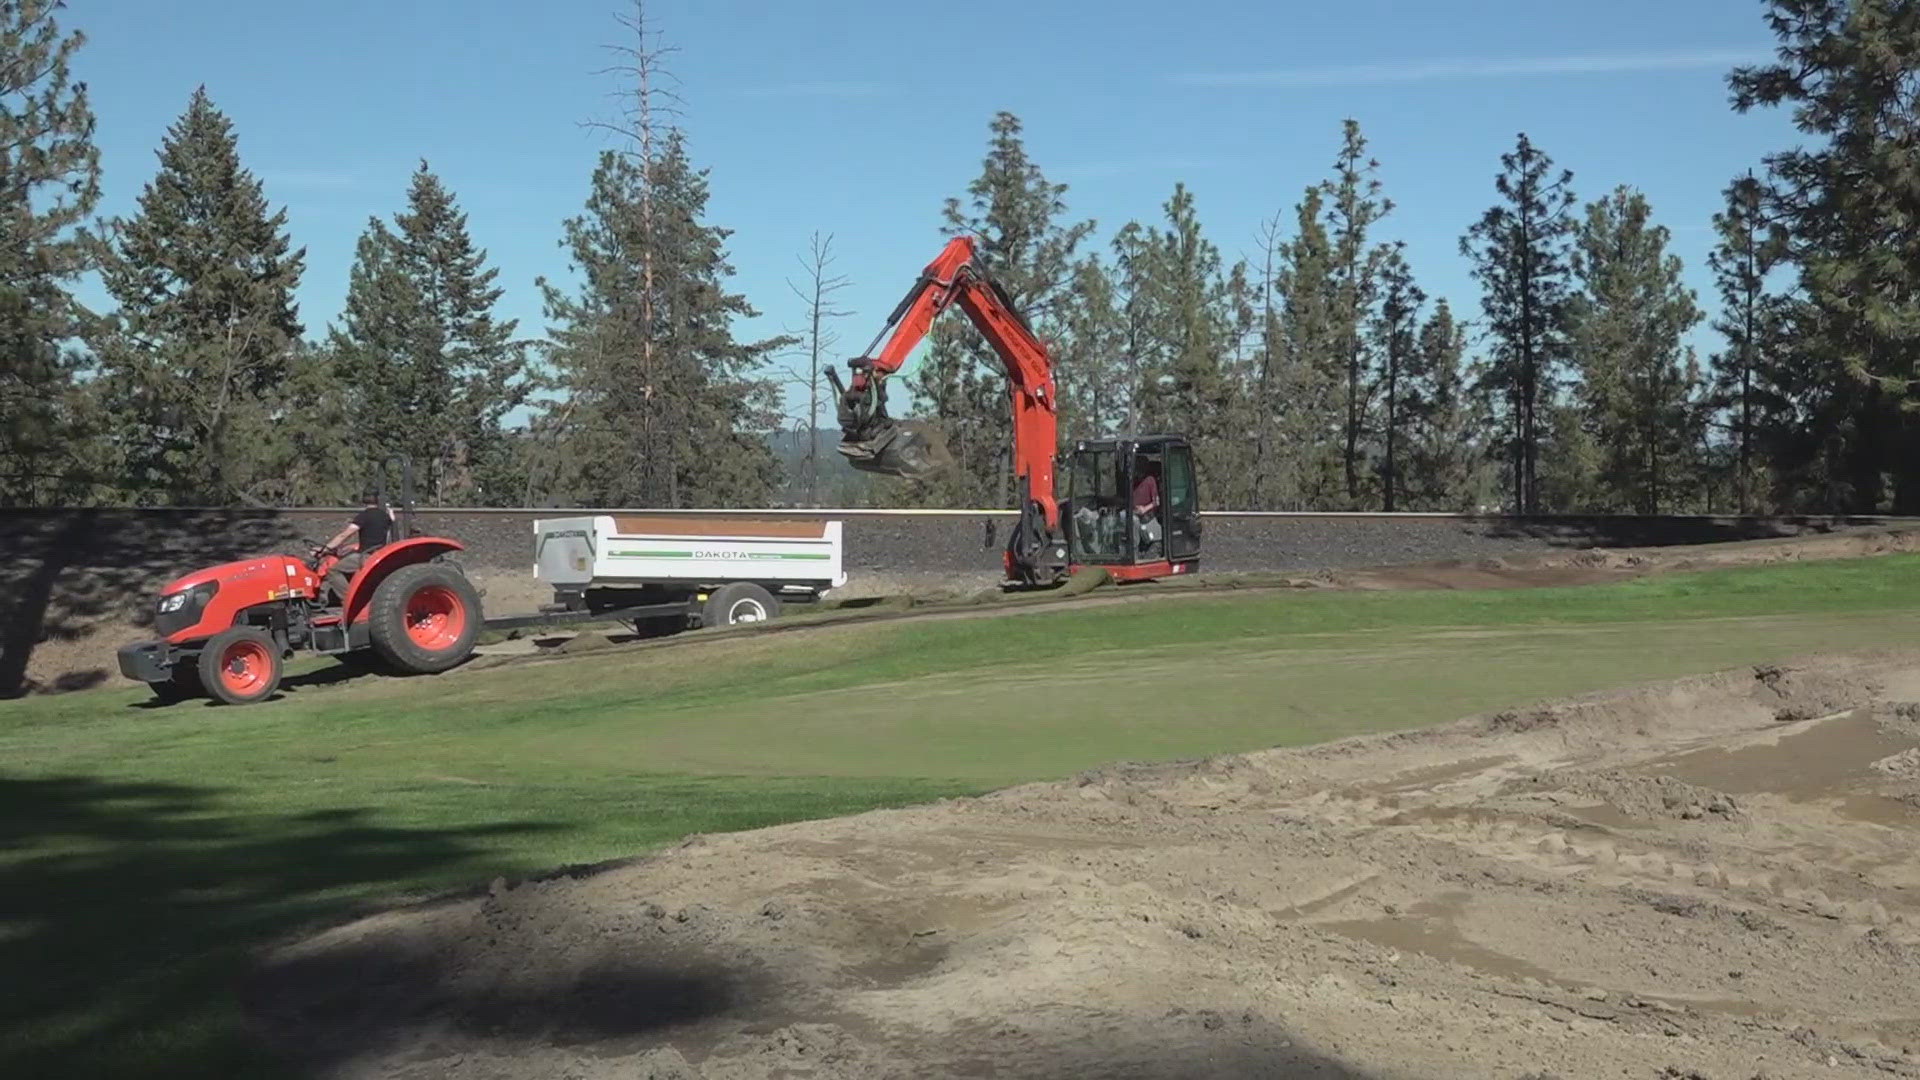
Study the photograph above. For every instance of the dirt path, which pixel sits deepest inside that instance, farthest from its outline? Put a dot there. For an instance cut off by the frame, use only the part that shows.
(1715, 878)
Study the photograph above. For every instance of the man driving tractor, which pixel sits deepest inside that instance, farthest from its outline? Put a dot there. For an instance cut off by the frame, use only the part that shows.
(372, 526)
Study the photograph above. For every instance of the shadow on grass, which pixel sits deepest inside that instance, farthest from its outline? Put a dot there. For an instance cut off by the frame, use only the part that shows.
(337, 671)
(127, 909)
(399, 999)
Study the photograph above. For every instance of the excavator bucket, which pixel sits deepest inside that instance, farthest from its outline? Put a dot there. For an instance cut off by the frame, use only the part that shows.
(913, 449)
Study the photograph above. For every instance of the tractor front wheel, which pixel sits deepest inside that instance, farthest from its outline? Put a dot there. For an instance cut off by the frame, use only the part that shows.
(424, 618)
(241, 666)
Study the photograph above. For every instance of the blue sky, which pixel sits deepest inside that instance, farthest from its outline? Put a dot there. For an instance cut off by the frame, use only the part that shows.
(858, 118)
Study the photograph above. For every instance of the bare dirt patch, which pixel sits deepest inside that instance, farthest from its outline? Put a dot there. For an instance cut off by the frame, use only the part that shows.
(1672, 881)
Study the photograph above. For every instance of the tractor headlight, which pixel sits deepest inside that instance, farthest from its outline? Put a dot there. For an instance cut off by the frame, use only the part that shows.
(177, 611)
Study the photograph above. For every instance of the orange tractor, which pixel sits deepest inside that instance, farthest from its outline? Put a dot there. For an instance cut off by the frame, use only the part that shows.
(225, 630)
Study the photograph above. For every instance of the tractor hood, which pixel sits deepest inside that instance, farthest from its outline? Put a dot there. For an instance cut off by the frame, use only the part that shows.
(275, 568)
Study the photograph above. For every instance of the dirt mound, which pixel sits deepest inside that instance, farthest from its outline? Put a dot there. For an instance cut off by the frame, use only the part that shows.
(1646, 797)
(1902, 717)
(1904, 765)
(1671, 880)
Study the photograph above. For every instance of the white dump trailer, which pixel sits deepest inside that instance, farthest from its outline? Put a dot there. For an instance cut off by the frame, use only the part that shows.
(705, 570)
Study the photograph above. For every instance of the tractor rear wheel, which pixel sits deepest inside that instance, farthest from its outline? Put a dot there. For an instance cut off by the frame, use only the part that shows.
(424, 618)
(241, 666)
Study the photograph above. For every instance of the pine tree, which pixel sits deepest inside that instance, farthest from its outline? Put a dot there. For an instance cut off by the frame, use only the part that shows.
(1810, 418)
(1749, 249)
(1311, 424)
(1848, 199)
(1090, 355)
(1185, 388)
(690, 425)
(1136, 298)
(1447, 463)
(1520, 252)
(50, 177)
(311, 456)
(434, 372)
(1396, 334)
(1355, 206)
(1264, 400)
(204, 278)
(1230, 450)
(383, 349)
(1018, 216)
(1636, 387)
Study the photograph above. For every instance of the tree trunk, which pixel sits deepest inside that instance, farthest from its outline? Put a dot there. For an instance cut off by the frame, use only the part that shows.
(1747, 320)
(813, 403)
(1353, 428)
(1393, 421)
(1865, 457)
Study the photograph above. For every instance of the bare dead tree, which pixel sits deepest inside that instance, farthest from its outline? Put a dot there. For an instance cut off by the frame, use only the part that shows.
(648, 109)
(1271, 240)
(816, 291)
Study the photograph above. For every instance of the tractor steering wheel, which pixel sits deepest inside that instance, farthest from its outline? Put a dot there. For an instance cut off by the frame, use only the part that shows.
(315, 551)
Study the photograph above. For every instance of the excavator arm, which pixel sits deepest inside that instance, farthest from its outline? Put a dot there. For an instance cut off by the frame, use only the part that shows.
(875, 442)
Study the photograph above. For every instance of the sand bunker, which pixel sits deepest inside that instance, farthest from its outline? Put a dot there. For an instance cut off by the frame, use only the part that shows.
(1684, 880)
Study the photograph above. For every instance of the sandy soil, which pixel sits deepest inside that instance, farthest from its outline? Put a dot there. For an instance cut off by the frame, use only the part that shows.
(1716, 877)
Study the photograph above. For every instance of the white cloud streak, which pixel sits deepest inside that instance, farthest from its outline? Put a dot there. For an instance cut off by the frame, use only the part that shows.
(1407, 71)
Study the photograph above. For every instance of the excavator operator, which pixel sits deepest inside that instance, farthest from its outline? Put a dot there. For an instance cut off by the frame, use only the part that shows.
(1146, 502)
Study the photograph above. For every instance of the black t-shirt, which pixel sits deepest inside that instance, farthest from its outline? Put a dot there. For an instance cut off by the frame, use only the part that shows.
(375, 527)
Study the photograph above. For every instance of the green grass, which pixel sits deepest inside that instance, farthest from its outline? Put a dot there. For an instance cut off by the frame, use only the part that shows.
(143, 850)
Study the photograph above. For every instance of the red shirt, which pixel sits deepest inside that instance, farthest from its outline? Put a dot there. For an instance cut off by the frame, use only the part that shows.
(1146, 492)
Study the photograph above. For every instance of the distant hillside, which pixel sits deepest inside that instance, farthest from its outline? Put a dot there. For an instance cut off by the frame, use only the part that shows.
(840, 484)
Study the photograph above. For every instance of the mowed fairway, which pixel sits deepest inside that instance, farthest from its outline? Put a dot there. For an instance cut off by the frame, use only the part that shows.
(143, 850)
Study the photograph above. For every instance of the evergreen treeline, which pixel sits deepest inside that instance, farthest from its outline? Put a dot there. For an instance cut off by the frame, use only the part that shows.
(1315, 372)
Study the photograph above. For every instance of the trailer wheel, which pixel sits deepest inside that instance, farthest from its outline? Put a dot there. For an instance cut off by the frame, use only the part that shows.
(739, 602)
(424, 618)
(240, 666)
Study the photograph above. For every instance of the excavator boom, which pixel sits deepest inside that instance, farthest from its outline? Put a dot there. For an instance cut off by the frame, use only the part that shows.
(876, 442)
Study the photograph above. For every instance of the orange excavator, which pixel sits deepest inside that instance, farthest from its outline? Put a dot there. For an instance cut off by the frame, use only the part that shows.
(1130, 505)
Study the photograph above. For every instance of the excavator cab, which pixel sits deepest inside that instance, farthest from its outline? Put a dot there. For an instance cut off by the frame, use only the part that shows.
(1133, 506)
